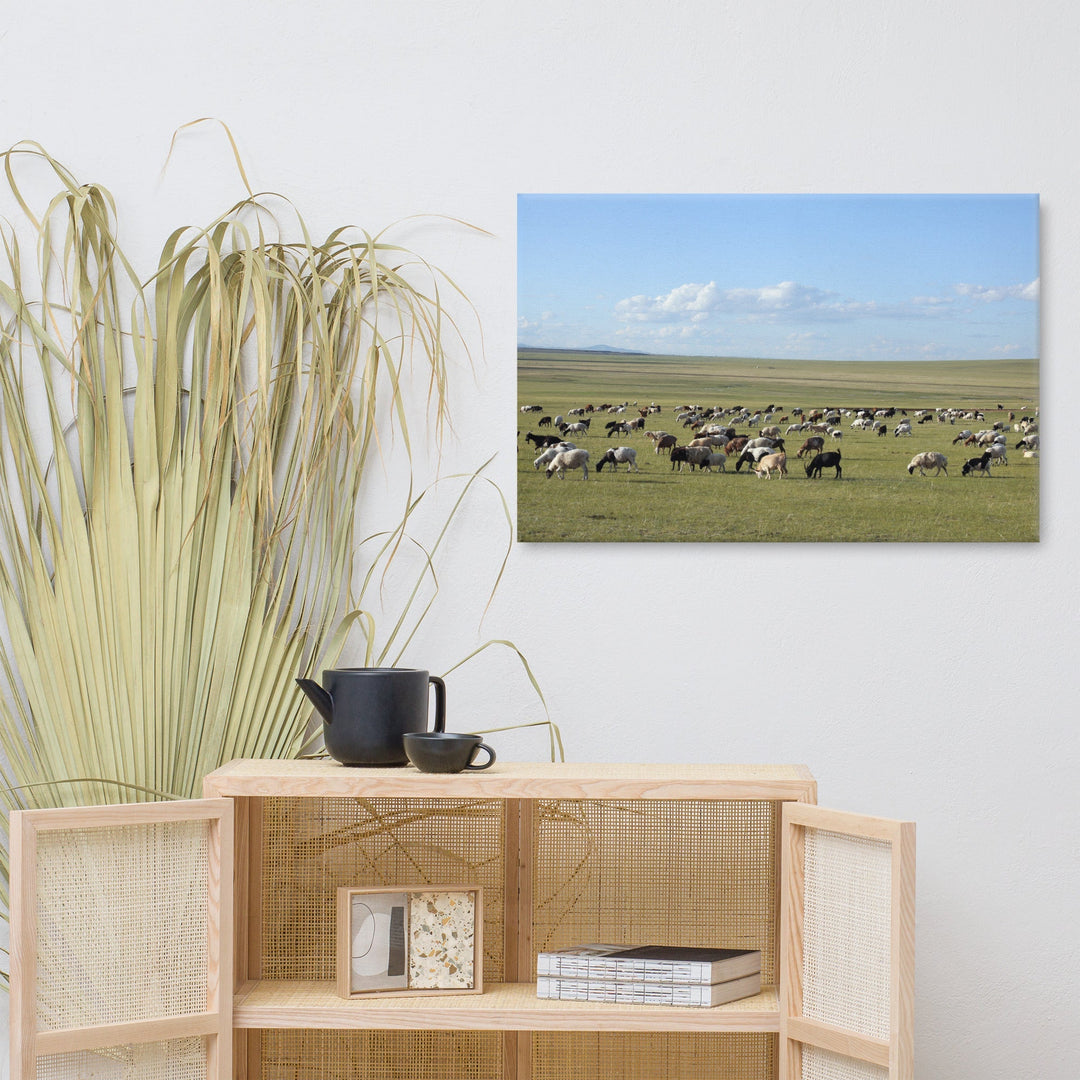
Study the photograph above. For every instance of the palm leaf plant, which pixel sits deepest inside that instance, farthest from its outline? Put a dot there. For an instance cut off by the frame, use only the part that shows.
(180, 461)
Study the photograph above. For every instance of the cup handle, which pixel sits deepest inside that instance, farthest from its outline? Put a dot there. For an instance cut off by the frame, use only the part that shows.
(487, 764)
(440, 702)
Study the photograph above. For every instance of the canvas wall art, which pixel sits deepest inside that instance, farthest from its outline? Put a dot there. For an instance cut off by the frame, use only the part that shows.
(778, 368)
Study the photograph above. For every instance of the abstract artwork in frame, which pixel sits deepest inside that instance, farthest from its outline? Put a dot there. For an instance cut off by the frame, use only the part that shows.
(778, 368)
(409, 939)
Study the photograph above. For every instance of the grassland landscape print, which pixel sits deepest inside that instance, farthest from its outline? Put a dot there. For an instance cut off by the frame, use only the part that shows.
(778, 368)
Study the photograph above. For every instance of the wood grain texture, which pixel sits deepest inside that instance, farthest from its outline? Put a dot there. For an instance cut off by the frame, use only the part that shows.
(845, 822)
(155, 813)
(220, 923)
(513, 780)
(792, 890)
(839, 1041)
(246, 890)
(23, 945)
(902, 1048)
(67, 1040)
(502, 1007)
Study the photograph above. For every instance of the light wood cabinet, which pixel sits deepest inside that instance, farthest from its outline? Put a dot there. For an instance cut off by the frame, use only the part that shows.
(707, 854)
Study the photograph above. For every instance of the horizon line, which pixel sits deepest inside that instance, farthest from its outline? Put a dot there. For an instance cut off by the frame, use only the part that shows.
(775, 359)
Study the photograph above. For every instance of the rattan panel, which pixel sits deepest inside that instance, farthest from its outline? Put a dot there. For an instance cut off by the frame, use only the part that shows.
(637, 1056)
(313, 846)
(121, 924)
(686, 872)
(299, 1054)
(846, 932)
(177, 1059)
(818, 1064)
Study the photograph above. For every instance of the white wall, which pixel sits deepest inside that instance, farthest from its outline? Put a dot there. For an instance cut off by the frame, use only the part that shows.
(949, 690)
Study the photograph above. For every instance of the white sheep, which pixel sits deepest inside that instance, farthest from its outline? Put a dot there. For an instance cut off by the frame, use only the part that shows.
(716, 461)
(930, 459)
(616, 456)
(569, 459)
(550, 453)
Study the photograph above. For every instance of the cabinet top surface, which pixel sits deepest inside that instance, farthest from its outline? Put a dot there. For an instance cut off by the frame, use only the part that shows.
(514, 780)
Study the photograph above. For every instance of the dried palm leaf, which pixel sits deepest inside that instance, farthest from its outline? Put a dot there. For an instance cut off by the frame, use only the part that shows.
(180, 462)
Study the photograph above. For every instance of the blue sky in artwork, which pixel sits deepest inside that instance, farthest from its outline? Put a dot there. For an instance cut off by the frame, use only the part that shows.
(828, 277)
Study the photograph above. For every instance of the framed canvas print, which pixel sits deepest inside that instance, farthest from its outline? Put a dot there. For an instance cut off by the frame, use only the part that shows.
(418, 940)
(778, 368)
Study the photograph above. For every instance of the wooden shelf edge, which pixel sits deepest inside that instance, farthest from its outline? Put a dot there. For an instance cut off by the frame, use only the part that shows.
(502, 1007)
(514, 780)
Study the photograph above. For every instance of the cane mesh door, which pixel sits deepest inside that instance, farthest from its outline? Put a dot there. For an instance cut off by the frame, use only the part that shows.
(846, 946)
(121, 945)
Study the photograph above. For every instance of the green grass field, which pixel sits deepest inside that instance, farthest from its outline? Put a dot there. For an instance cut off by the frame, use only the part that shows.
(876, 500)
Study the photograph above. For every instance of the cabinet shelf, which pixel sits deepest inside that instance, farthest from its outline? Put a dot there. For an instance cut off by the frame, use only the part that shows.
(502, 1007)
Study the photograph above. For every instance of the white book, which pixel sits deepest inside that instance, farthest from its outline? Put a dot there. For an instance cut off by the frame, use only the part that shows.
(648, 993)
(649, 963)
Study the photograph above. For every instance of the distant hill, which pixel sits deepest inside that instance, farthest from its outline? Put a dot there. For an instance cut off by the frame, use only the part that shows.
(586, 348)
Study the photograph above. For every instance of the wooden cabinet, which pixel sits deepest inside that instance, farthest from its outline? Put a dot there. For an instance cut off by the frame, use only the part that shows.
(707, 854)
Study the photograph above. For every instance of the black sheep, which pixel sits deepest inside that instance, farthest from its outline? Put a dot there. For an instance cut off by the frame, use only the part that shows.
(828, 460)
(543, 440)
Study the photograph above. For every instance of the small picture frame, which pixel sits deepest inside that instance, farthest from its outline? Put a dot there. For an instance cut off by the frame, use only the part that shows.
(416, 939)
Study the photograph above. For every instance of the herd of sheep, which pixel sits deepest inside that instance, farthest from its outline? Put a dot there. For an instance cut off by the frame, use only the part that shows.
(710, 438)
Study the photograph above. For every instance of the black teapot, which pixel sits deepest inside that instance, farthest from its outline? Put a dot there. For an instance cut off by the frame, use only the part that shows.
(367, 711)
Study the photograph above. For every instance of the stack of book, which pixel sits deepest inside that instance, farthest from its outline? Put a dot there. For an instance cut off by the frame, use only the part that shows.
(648, 974)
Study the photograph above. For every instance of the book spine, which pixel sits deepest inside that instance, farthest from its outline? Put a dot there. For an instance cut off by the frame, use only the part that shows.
(624, 993)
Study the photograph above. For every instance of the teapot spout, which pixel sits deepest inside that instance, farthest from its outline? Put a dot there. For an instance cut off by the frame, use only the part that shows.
(318, 697)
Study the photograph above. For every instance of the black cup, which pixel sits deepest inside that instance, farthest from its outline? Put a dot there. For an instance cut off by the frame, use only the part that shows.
(445, 751)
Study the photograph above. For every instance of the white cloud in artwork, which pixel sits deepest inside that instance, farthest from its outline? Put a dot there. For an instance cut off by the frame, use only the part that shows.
(792, 302)
(786, 301)
(698, 302)
(996, 293)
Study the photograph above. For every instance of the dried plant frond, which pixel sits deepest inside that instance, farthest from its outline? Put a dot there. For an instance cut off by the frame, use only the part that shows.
(180, 463)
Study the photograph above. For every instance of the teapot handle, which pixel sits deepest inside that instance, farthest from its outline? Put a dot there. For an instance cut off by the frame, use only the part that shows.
(440, 702)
